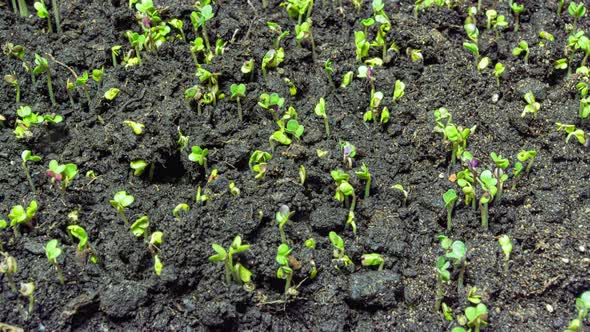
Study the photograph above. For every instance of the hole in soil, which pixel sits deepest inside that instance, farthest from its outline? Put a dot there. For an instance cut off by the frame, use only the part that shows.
(169, 172)
(241, 307)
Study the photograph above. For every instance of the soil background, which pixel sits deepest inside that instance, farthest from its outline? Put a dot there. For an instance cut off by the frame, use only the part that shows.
(546, 216)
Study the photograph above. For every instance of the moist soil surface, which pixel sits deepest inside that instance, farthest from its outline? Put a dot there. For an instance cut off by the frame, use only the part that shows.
(546, 214)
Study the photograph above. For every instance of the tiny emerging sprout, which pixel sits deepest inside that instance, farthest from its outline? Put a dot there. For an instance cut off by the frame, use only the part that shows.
(450, 197)
(42, 66)
(97, 75)
(27, 290)
(501, 165)
(282, 217)
(238, 91)
(19, 216)
(364, 174)
(62, 174)
(53, 251)
(272, 103)
(414, 54)
(42, 12)
(136, 127)
(329, 71)
(83, 244)
(140, 226)
(199, 156)
(404, 192)
(9, 267)
(532, 105)
(491, 14)
(522, 48)
(529, 156)
(278, 31)
(477, 316)
(577, 11)
(310, 243)
(248, 68)
(237, 272)
(120, 201)
(291, 85)
(516, 9)
(115, 51)
(343, 190)
(483, 63)
(233, 189)
(347, 79)
(488, 183)
(320, 110)
(178, 25)
(155, 242)
(398, 90)
(258, 163)
(13, 80)
(272, 59)
(27, 155)
(182, 141)
(178, 209)
(302, 174)
(138, 166)
(498, 71)
(373, 260)
(348, 153)
(111, 93)
(339, 254)
(572, 132)
(506, 246)
(442, 276)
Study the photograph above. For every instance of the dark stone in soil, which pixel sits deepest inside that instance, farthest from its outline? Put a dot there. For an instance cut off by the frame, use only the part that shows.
(122, 300)
(375, 288)
(327, 218)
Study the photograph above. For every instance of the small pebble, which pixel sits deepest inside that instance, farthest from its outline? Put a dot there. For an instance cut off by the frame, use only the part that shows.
(565, 260)
(549, 307)
(495, 98)
(582, 248)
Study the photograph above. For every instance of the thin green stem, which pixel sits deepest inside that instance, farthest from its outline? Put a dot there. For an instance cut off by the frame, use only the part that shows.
(449, 217)
(31, 303)
(288, 285)
(123, 216)
(55, 6)
(29, 179)
(50, 88)
(368, 187)
(17, 87)
(439, 295)
(87, 95)
(283, 236)
(206, 38)
(239, 108)
(49, 26)
(327, 127)
(114, 59)
(517, 23)
(59, 273)
(24, 10)
(14, 7)
(484, 215)
(228, 268)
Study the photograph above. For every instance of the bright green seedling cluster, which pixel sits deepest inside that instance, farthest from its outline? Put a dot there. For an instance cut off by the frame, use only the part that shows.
(20, 216)
(53, 251)
(27, 118)
(572, 131)
(488, 184)
(339, 254)
(452, 133)
(282, 217)
(272, 103)
(532, 106)
(120, 201)
(258, 163)
(199, 155)
(236, 272)
(506, 247)
(455, 252)
(62, 174)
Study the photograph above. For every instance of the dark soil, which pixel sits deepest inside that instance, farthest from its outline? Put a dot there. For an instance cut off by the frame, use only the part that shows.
(546, 216)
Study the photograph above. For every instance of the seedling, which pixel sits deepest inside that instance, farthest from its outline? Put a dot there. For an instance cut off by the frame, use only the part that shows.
(516, 9)
(450, 197)
(13, 80)
(53, 251)
(28, 156)
(398, 90)
(140, 226)
(120, 201)
(501, 165)
(27, 290)
(238, 91)
(572, 132)
(529, 156)
(178, 210)
(42, 66)
(474, 49)
(62, 174)
(362, 45)
(442, 276)
(9, 267)
(583, 306)
(199, 20)
(346, 79)
(343, 190)
(364, 174)
(272, 59)
(455, 251)
(248, 68)
(477, 316)
(285, 271)
(42, 12)
(272, 103)
(373, 260)
(155, 242)
(19, 216)
(522, 48)
(320, 110)
(178, 25)
(199, 156)
(83, 245)
(136, 127)
(282, 217)
(258, 163)
(278, 31)
(27, 118)
(348, 152)
(498, 71)
(115, 52)
(456, 135)
(339, 254)
(303, 31)
(406, 193)
(234, 190)
(82, 82)
(238, 272)
(488, 183)
(577, 11)
(506, 246)
(111, 93)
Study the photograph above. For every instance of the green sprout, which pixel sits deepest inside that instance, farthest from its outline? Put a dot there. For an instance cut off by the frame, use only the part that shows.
(560, 7)
(329, 71)
(258, 163)
(178, 209)
(136, 127)
(234, 190)
(532, 105)
(577, 11)
(62, 174)
(115, 51)
(82, 82)
(20, 216)
(516, 9)
(42, 66)
(42, 12)
(406, 193)
(506, 246)
(83, 245)
(501, 165)
(199, 156)
(272, 103)
(364, 174)
(27, 118)
(27, 290)
(238, 91)
(489, 185)
(199, 20)
(373, 260)
(450, 197)
(278, 31)
(9, 267)
(474, 49)
(456, 135)
(398, 90)
(522, 48)
(348, 152)
(491, 15)
(272, 59)
(138, 166)
(27, 155)
(120, 201)
(285, 271)
(583, 306)
(248, 68)
(53, 251)
(442, 276)
(155, 241)
(13, 80)
(498, 71)
(178, 25)
(303, 31)
(477, 316)
(238, 272)
(572, 132)
(97, 75)
(529, 156)
(339, 254)
(140, 226)
(362, 45)
(320, 110)
(282, 217)
(344, 190)
(111, 93)
(456, 252)
(346, 79)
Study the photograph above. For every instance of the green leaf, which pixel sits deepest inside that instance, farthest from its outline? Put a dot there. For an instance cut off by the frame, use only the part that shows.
(336, 240)
(450, 197)
(138, 166)
(158, 266)
(111, 93)
(79, 233)
(505, 244)
(140, 226)
(52, 250)
(156, 238)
